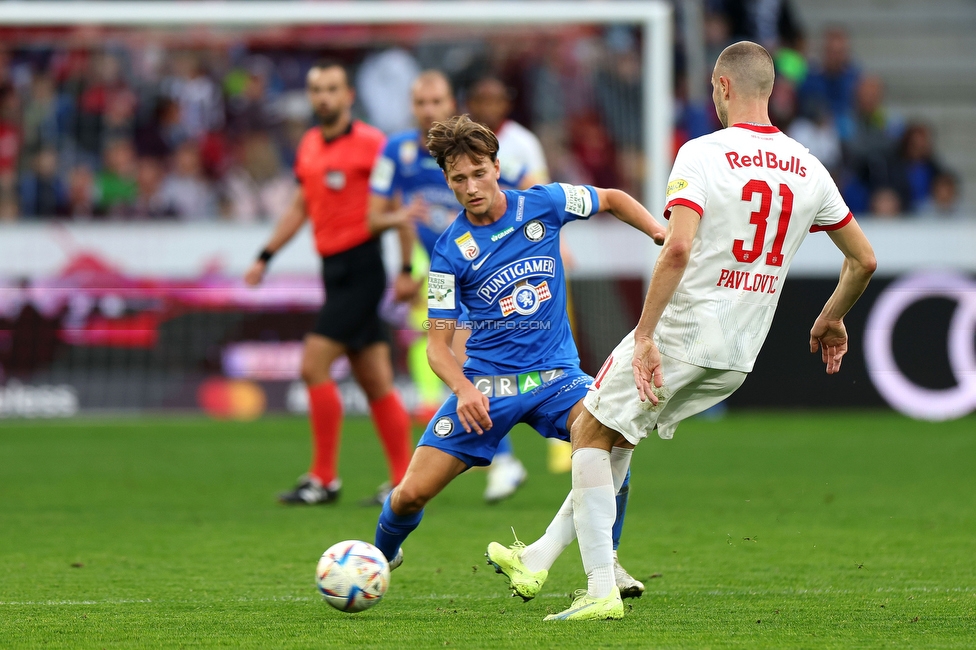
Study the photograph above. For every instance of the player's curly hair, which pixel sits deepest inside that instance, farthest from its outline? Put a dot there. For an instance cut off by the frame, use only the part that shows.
(458, 136)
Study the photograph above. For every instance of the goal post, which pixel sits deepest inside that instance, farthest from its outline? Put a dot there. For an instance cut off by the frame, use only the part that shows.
(653, 16)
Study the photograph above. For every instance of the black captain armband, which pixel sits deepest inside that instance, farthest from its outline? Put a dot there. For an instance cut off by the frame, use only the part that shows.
(265, 256)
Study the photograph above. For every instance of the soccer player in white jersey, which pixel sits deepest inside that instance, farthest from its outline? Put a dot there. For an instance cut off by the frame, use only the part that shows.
(740, 202)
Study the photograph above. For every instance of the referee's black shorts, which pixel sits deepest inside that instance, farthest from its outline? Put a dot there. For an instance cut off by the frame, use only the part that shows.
(354, 284)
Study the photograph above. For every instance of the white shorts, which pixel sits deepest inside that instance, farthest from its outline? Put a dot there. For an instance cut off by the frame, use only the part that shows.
(688, 389)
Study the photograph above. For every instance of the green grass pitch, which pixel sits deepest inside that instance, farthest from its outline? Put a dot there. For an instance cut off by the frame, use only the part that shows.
(804, 530)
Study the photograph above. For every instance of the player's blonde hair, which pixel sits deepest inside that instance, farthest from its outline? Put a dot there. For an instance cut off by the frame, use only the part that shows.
(749, 66)
(459, 136)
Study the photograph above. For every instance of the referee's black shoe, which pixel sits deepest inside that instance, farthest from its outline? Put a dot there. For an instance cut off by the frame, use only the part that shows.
(311, 492)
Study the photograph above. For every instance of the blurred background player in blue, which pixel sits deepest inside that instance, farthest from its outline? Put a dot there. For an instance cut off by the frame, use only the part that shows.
(408, 187)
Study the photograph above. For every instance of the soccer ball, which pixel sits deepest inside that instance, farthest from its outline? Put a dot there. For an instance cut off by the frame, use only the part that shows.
(352, 575)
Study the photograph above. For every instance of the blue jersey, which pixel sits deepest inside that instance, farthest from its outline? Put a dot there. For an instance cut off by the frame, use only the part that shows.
(509, 276)
(405, 167)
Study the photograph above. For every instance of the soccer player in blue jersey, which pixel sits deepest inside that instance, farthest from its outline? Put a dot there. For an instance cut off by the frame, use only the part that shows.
(500, 258)
(408, 185)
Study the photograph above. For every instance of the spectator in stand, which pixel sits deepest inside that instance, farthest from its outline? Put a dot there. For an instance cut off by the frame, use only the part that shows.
(767, 22)
(10, 140)
(101, 88)
(816, 132)
(870, 151)
(199, 98)
(617, 87)
(150, 202)
(834, 82)
(115, 186)
(790, 60)
(81, 192)
(257, 187)
(944, 197)
(248, 110)
(383, 86)
(918, 163)
(42, 193)
(885, 203)
(118, 120)
(162, 132)
(185, 190)
(44, 113)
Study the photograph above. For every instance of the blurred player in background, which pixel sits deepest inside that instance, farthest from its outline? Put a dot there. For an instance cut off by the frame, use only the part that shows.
(500, 259)
(408, 187)
(740, 203)
(333, 165)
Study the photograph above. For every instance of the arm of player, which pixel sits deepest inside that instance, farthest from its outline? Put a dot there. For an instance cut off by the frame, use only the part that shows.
(288, 225)
(670, 266)
(385, 213)
(630, 211)
(829, 334)
(472, 408)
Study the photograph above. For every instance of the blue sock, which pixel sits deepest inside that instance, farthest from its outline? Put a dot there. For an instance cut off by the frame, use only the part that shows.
(618, 523)
(504, 446)
(392, 529)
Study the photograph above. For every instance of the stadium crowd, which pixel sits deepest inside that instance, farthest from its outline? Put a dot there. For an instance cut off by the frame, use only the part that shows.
(884, 164)
(127, 128)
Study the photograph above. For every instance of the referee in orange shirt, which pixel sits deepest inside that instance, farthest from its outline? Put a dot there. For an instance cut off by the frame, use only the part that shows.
(333, 165)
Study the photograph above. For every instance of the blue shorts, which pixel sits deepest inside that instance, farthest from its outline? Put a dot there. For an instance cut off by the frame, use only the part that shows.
(541, 399)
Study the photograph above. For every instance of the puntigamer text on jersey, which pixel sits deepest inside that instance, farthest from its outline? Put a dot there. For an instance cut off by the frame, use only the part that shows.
(767, 160)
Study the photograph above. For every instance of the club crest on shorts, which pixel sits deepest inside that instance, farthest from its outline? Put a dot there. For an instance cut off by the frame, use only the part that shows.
(468, 246)
(525, 299)
(534, 231)
(443, 427)
(335, 179)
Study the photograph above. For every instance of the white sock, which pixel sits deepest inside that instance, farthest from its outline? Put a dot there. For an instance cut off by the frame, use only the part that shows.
(542, 554)
(594, 509)
(561, 532)
(619, 464)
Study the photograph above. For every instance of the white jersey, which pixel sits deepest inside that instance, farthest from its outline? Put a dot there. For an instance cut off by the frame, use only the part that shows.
(519, 149)
(758, 193)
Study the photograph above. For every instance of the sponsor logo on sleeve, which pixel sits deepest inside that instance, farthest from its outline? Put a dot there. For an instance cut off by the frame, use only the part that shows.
(440, 291)
(520, 210)
(382, 176)
(676, 186)
(468, 246)
(534, 231)
(443, 427)
(578, 200)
